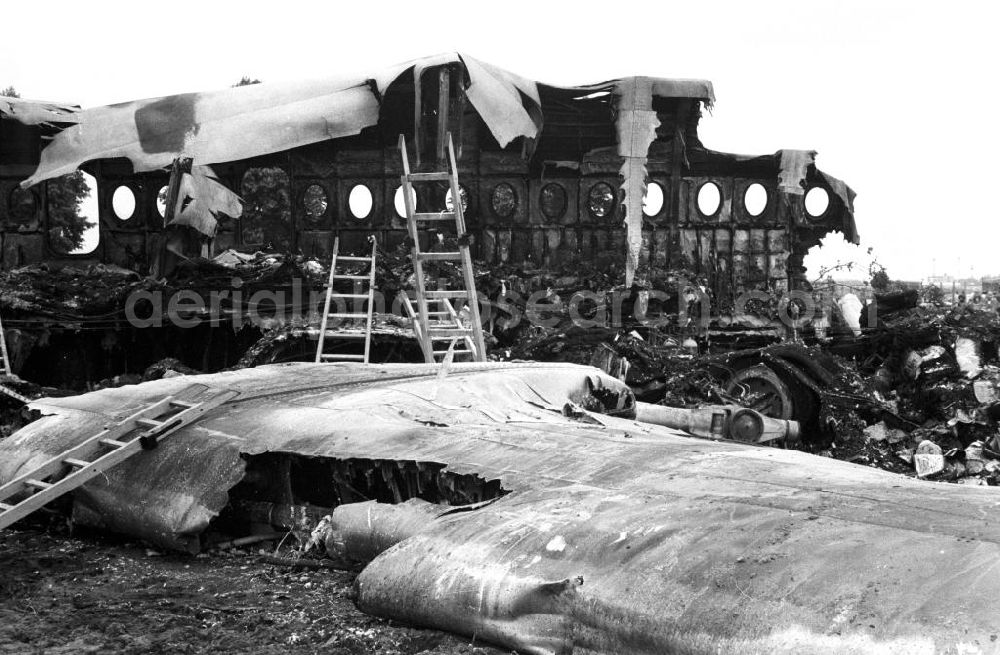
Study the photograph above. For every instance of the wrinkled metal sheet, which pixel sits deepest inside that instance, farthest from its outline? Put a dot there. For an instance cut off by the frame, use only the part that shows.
(258, 119)
(615, 538)
(659, 87)
(495, 93)
(210, 127)
(794, 165)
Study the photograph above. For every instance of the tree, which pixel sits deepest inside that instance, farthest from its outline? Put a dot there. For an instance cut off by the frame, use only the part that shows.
(267, 203)
(267, 207)
(66, 227)
(879, 279)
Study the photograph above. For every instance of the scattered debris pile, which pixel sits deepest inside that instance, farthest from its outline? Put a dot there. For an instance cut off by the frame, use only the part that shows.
(83, 328)
(938, 369)
(917, 392)
(66, 293)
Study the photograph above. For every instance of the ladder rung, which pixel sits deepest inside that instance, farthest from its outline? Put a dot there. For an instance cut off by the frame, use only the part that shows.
(456, 351)
(428, 177)
(38, 484)
(331, 358)
(453, 256)
(148, 422)
(348, 315)
(439, 313)
(446, 294)
(450, 331)
(183, 403)
(113, 443)
(78, 463)
(348, 295)
(347, 258)
(434, 216)
(351, 277)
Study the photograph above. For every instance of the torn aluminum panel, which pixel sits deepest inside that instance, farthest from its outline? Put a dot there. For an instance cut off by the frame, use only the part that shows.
(794, 164)
(258, 119)
(846, 195)
(613, 538)
(636, 128)
(37, 112)
(495, 93)
(201, 198)
(210, 127)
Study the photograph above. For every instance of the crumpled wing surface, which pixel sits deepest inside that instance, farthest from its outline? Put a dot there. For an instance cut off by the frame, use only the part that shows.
(616, 537)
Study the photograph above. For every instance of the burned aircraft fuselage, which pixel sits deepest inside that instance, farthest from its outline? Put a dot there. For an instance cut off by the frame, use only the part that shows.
(552, 201)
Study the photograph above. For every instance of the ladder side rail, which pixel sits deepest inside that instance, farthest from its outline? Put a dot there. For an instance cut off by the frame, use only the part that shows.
(326, 305)
(448, 307)
(470, 280)
(13, 394)
(416, 328)
(469, 343)
(5, 364)
(456, 189)
(84, 450)
(418, 269)
(72, 481)
(402, 152)
(371, 303)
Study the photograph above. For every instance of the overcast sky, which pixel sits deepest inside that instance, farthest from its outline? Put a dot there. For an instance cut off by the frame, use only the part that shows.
(899, 99)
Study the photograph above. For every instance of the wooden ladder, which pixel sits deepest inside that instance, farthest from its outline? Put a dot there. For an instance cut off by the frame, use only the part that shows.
(68, 470)
(446, 325)
(324, 332)
(6, 371)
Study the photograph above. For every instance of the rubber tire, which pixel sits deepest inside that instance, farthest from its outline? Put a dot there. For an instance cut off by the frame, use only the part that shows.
(761, 376)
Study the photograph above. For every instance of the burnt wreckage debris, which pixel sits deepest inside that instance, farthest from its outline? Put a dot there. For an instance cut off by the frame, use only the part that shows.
(603, 233)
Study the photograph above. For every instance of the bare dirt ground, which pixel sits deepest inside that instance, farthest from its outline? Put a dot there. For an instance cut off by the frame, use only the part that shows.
(95, 593)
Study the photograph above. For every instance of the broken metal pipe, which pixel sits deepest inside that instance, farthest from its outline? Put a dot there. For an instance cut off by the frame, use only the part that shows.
(720, 422)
